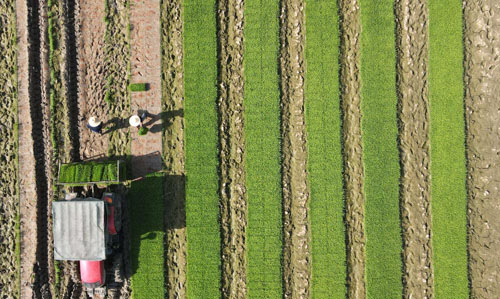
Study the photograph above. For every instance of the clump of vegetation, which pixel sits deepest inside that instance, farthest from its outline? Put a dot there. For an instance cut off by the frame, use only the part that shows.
(143, 131)
(138, 86)
(76, 173)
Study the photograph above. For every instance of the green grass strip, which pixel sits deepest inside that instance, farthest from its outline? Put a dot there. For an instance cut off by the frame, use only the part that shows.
(202, 199)
(146, 237)
(325, 150)
(448, 168)
(263, 162)
(380, 150)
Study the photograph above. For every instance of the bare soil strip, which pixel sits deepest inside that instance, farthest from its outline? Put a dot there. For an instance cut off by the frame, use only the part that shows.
(296, 230)
(233, 207)
(482, 101)
(9, 205)
(173, 147)
(412, 36)
(92, 76)
(117, 92)
(352, 151)
(27, 181)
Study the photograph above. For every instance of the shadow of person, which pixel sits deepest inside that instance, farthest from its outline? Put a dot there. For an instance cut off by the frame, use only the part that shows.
(116, 123)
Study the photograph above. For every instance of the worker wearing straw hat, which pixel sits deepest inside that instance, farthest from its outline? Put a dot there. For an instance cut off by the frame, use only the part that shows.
(135, 121)
(95, 125)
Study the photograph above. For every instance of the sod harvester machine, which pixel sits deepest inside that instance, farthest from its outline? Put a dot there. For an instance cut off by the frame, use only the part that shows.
(87, 229)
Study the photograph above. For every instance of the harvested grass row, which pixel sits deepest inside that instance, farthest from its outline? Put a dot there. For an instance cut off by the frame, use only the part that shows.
(91, 172)
(449, 220)
(202, 198)
(323, 118)
(380, 150)
(117, 94)
(146, 236)
(9, 205)
(263, 160)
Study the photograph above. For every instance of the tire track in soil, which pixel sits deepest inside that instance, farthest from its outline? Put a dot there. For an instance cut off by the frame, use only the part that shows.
(39, 105)
(296, 226)
(350, 27)
(9, 207)
(414, 143)
(482, 103)
(233, 205)
(173, 147)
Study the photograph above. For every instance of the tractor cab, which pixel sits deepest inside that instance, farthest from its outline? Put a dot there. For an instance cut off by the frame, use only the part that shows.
(87, 230)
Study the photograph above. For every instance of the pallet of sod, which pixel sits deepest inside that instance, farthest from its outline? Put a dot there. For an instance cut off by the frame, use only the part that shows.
(77, 174)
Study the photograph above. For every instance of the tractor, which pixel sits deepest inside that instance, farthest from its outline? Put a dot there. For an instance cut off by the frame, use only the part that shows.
(87, 229)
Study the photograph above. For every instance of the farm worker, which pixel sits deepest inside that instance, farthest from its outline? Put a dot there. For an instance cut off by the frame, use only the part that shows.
(135, 121)
(95, 125)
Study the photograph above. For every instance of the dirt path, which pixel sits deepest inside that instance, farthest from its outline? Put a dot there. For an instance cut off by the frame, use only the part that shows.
(8, 152)
(414, 139)
(92, 76)
(353, 160)
(482, 101)
(173, 143)
(233, 205)
(145, 57)
(296, 252)
(27, 182)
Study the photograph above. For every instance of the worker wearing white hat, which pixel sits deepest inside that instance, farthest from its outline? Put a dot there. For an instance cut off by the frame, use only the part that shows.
(135, 121)
(95, 125)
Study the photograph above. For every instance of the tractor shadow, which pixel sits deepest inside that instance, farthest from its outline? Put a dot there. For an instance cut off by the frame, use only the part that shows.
(156, 205)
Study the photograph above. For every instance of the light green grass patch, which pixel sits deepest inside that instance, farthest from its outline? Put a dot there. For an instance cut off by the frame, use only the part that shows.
(202, 200)
(323, 121)
(380, 150)
(263, 162)
(146, 212)
(449, 205)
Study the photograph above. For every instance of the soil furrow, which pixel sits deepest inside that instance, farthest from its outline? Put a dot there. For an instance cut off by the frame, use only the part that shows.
(9, 205)
(232, 190)
(414, 139)
(173, 147)
(352, 150)
(296, 227)
(482, 103)
(118, 59)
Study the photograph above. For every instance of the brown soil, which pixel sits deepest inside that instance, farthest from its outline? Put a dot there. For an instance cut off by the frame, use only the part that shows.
(352, 150)
(8, 144)
(296, 231)
(27, 181)
(233, 206)
(173, 148)
(412, 36)
(482, 102)
(92, 76)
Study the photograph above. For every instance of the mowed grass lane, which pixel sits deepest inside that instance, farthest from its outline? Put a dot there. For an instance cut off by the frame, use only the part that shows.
(263, 160)
(325, 150)
(448, 168)
(202, 200)
(380, 150)
(147, 235)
